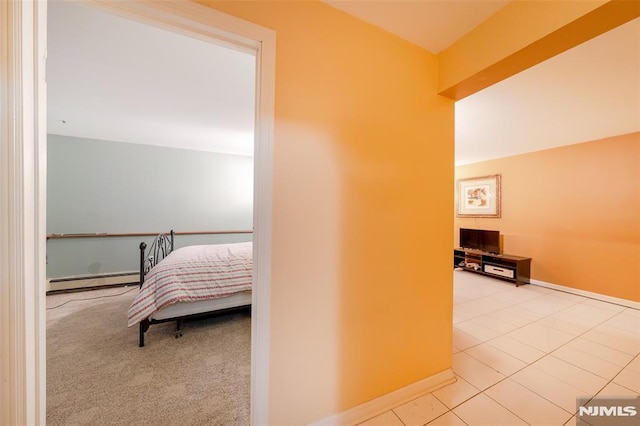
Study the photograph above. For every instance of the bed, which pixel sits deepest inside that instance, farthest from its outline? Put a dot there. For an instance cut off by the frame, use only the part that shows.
(189, 282)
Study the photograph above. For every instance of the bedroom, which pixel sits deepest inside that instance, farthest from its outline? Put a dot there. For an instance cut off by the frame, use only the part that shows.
(166, 145)
(355, 183)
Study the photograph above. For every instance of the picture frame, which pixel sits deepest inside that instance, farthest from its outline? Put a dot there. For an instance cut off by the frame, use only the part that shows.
(479, 196)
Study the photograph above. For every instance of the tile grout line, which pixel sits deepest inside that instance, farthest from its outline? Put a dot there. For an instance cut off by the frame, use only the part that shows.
(546, 353)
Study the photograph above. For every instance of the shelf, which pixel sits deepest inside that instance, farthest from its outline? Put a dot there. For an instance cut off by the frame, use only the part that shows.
(516, 269)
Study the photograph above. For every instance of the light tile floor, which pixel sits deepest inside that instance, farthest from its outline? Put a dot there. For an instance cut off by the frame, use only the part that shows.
(523, 355)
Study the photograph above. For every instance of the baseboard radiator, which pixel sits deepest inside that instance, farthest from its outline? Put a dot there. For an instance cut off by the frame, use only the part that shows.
(92, 281)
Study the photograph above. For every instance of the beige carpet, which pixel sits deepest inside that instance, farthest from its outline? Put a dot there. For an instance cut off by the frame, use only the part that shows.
(97, 374)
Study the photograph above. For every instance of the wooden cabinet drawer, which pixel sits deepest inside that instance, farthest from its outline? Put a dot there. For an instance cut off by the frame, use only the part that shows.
(503, 272)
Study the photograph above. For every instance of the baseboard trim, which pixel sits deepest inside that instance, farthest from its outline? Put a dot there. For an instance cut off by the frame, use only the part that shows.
(73, 283)
(602, 297)
(377, 406)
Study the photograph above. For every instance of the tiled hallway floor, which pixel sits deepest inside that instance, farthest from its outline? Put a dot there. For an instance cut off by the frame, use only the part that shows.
(523, 355)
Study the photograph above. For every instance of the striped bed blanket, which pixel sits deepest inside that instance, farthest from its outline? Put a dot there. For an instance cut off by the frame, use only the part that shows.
(193, 273)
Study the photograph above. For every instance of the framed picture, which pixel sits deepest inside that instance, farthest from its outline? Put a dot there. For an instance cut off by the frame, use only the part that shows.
(478, 197)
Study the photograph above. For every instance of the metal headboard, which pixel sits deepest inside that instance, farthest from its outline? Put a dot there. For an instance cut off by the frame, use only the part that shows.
(160, 248)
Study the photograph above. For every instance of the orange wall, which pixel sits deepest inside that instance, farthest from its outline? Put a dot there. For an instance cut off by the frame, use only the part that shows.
(363, 169)
(575, 210)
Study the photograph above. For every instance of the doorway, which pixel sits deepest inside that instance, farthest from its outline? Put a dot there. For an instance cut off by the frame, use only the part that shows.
(24, 367)
(147, 131)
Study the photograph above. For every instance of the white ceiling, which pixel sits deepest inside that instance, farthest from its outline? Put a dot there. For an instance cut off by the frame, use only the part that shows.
(589, 92)
(115, 79)
(146, 85)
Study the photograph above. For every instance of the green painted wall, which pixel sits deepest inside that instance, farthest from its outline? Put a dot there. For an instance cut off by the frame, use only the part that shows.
(96, 186)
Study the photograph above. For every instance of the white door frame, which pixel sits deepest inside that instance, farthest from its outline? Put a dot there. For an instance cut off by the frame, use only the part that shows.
(22, 213)
(23, 190)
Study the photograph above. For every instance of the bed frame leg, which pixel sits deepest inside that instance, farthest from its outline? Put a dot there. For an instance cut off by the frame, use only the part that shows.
(141, 336)
(144, 326)
(178, 328)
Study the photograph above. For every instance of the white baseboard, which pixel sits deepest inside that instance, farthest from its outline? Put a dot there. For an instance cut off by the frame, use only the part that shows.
(386, 402)
(74, 283)
(589, 294)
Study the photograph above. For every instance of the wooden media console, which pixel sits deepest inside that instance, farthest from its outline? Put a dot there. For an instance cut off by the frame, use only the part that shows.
(507, 267)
